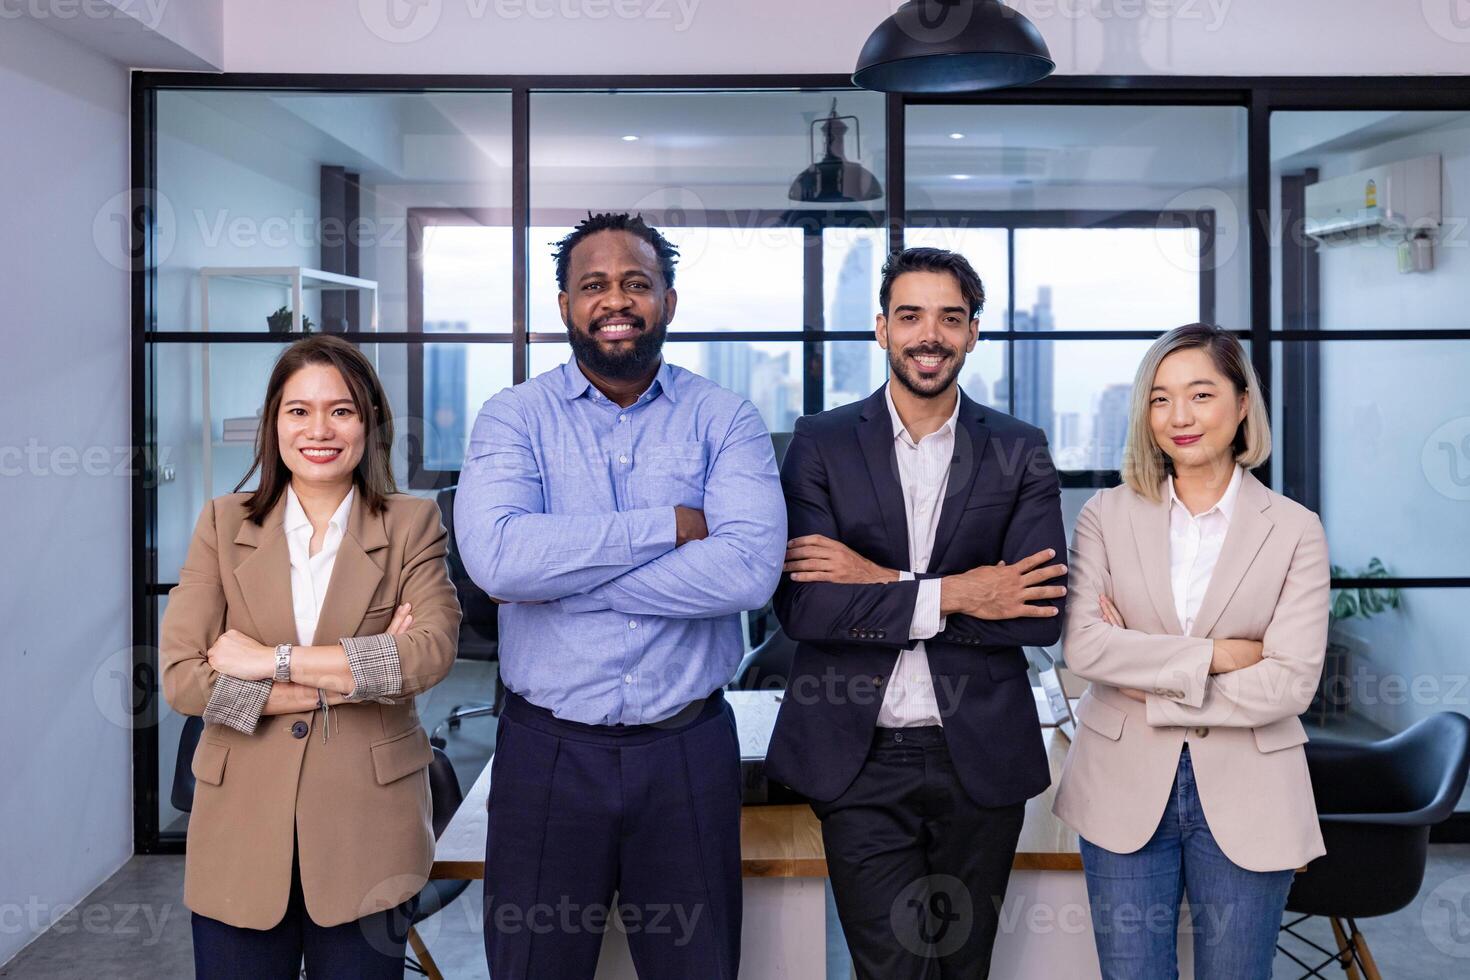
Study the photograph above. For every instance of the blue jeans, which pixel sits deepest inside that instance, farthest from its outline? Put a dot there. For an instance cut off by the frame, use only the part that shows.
(1235, 914)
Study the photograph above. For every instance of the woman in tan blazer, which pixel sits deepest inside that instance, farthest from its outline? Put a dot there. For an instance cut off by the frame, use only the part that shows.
(307, 616)
(1198, 611)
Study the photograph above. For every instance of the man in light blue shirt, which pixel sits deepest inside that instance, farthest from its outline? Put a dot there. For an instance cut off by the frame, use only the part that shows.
(625, 511)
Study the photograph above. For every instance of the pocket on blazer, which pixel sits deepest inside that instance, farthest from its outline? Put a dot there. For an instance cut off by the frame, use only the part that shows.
(1102, 718)
(401, 755)
(208, 765)
(1280, 735)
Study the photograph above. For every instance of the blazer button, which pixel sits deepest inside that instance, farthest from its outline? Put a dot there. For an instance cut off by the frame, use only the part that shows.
(298, 730)
(1201, 732)
(877, 682)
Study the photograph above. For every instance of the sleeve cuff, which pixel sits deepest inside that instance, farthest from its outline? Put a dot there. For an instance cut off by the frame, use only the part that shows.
(377, 673)
(237, 704)
(651, 532)
(926, 622)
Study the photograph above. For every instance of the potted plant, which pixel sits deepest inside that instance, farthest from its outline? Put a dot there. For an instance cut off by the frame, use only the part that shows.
(1361, 602)
(280, 321)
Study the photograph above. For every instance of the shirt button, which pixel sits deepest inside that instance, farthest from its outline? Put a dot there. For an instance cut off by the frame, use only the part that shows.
(627, 678)
(622, 459)
(632, 624)
(1201, 732)
(622, 418)
(298, 730)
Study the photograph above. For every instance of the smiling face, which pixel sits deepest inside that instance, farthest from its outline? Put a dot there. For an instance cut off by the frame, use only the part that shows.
(616, 307)
(319, 432)
(1194, 411)
(927, 332)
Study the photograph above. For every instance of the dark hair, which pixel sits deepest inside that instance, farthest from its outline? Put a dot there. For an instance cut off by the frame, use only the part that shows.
(373, 476)
(607, 221)
(933, 260)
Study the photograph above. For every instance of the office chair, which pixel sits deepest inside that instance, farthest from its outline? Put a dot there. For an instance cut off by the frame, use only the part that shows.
(437, 893)
(478, 629)
(1376, 802)
(768, 666)
(444, 796)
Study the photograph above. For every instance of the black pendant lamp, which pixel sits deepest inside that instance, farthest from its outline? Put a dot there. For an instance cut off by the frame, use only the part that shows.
(937, 46)
(834, 178)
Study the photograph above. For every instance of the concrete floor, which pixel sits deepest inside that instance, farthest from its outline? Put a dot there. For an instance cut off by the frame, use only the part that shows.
(135, 924)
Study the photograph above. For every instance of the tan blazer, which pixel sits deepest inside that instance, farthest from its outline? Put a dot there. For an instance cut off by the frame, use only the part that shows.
(358, 804)
(1269, 584)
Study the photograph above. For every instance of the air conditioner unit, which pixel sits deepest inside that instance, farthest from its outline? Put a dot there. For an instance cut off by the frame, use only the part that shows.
(1399, 199)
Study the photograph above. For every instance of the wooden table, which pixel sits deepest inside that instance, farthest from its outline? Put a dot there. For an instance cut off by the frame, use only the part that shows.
(783, 862)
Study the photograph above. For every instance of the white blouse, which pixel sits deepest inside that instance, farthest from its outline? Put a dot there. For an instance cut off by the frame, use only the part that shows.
(1195, 541)
(311, 574)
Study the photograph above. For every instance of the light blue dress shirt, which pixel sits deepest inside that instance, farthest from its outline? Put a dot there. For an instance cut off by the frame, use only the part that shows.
(565, 510)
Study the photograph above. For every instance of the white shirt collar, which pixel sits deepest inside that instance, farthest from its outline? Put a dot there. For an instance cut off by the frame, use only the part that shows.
(296, 518)
(1225, 505)
(900, 431)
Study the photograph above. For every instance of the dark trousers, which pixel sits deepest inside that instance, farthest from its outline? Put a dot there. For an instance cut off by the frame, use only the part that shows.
(370, 948)
(578, 812)
(918, 869)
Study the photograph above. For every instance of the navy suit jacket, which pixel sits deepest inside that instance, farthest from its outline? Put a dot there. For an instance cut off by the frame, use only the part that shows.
(1003, 502)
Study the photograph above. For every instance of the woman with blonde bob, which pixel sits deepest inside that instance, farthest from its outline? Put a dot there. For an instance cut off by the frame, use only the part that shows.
(1198, 613)
(308, 614)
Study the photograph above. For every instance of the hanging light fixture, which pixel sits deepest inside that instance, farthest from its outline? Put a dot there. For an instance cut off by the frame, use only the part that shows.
(834, 178)
(935, 46)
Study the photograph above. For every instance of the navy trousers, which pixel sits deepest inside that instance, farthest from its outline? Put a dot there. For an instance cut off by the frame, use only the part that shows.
(370, 948)
(580, 812)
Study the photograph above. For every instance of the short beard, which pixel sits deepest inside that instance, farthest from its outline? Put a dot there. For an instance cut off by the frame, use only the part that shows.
(899, 367)
(630, 365)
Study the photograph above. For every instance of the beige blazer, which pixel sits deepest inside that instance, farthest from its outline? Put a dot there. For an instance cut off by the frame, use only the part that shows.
(358, 803)
(1269, 584)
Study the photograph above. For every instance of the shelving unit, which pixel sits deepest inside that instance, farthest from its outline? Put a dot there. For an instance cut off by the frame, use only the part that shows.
(294, 281)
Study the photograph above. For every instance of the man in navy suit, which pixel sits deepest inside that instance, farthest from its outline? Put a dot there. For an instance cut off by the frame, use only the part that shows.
(922, 525)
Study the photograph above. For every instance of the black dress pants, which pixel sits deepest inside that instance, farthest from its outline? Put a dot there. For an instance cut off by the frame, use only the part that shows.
(918, 869)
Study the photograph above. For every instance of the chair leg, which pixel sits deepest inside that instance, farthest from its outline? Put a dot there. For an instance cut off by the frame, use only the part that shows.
(1360, 947)
(426, 961)
(1345, 948)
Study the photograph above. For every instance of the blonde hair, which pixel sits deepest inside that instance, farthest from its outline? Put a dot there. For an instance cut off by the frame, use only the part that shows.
(1144, 464)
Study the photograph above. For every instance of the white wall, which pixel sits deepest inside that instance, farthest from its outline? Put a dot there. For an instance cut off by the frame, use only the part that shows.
(1199, 37)
(66, 584)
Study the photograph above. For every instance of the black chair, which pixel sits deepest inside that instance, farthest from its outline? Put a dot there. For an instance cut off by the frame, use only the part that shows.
(444, 797)
(768, 666)
(182, 793)
(1376, 802)
(479, 634)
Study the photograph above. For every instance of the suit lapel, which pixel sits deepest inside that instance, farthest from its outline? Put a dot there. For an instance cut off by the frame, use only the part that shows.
(1150, 522)
(264, 576)
(875, 435)
(1249, 527)
(971, 438)
(355, 575)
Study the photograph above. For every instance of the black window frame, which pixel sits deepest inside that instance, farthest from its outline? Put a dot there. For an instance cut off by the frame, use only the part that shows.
(1260, 96)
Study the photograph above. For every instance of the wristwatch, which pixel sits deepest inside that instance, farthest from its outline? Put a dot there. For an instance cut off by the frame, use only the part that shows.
(283, 662)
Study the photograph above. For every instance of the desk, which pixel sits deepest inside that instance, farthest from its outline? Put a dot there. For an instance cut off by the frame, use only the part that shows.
(1045, 931)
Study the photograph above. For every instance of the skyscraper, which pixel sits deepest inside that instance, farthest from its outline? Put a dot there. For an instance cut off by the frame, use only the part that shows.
(849, 362)
(1030, 390)
(1110, 427)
